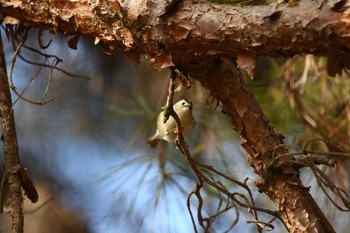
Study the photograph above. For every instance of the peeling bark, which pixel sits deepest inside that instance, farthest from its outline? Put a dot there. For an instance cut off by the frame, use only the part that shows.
(202, 39)
(298, 209)
(162, 31)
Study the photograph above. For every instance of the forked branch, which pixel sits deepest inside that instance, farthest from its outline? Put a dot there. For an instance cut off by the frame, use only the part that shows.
(232, 199)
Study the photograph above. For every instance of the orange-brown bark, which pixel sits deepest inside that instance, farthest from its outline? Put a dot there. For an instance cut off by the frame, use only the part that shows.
(193, 28)
(296, 206)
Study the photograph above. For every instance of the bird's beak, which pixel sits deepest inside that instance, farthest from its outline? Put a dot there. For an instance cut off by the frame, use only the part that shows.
(189, 104)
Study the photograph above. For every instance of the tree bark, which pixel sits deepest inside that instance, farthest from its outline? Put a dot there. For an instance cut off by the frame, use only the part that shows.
(202, 39)
(298, 209)
(193, 28)
(11, 155)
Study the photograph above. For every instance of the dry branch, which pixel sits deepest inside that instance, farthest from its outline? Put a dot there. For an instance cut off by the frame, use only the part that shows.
(234, 197)
(261, 143)
(15, 177)
(11, 155)
(172, 31)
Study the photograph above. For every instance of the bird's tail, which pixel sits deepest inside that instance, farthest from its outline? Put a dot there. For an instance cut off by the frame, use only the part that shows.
(153, 141)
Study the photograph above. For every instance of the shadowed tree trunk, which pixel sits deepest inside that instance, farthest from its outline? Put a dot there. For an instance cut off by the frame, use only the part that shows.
(208, 41)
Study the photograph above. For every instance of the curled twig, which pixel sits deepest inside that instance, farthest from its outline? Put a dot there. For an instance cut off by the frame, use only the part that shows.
(42, 46)
(202, 179)
(20, 95)
(310, 159)
(37, 51)
(190, 211)
(13, 35)
(54, 67)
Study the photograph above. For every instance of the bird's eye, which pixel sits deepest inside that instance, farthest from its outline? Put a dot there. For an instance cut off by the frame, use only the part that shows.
(183, 103)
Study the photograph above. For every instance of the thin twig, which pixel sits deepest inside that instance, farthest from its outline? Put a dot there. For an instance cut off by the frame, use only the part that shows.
(183, 147)
(190, 211)
(20, 95)
(308, 159)
(32, 211)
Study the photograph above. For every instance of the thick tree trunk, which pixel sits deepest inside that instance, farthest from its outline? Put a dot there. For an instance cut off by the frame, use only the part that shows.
(201, 38)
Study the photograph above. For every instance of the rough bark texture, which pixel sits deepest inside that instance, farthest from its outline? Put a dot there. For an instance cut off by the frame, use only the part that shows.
(201, 38)
(11, 156)
(193, 28)
(295, 204)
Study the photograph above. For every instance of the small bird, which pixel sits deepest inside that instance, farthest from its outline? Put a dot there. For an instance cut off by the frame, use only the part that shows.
(167, 131)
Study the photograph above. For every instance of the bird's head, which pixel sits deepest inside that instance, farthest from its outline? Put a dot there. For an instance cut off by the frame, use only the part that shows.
(183, 104)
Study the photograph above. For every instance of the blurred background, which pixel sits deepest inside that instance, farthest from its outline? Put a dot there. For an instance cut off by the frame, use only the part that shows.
(86, 149)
